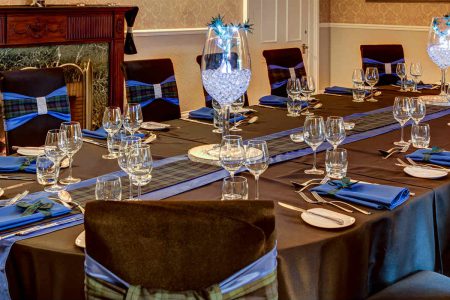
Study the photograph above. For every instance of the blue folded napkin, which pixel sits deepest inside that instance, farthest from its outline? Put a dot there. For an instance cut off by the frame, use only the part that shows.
(273, 100)
(11, 216)
(10, 164)
(377, 196)
(438, 158)
(207, 113)
(101, 134)
(419, 85)
(338, 90)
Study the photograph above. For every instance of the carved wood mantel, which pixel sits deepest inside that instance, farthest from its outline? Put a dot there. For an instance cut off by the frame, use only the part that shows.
(67, 24)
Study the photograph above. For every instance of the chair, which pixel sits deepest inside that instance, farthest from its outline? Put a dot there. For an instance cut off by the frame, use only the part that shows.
(152, 84)
(213, 59)
(385, 58)
(179, 248)
(424, 285)
(33, 101)
(283, 64)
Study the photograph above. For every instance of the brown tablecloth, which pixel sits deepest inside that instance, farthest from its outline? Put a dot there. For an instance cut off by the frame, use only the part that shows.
(313, 263)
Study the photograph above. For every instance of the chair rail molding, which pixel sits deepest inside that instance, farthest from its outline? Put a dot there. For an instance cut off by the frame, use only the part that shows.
(375, 26)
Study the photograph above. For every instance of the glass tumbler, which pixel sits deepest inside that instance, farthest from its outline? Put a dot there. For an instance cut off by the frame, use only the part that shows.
(336, 163)
(420, 135)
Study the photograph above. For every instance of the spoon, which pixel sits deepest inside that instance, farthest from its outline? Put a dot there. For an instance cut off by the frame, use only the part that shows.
(67, 198)
(246, 122)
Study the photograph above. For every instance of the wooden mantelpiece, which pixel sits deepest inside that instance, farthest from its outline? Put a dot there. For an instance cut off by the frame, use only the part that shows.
(22, 26)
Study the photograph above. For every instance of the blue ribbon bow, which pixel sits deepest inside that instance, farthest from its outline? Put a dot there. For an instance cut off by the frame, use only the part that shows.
(341, 184)
(276, 85)
(22, 109)
(376, 62)
(146, 93)
(427, 155)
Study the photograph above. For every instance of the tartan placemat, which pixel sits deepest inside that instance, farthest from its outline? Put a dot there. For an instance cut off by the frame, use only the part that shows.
(283, 145)
(162, 177)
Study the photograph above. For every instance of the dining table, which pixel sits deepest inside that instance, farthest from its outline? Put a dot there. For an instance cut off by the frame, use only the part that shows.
(313, 263)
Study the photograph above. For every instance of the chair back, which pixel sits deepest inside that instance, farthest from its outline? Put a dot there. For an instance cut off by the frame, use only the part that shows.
(385, 58)
(283, 64)
(152, 84)
(178, 245)
(212, 60)
(26, 120)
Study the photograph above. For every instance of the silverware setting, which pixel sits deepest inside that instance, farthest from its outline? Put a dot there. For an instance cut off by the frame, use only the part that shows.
(16, 177)
(397, 149)
(15, 199)
(291, 207)
(94, 142)
(247, 121)
(412, 163)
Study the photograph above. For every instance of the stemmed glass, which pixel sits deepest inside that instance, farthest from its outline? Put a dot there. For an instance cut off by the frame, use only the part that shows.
(372, 78)
(314, 133)
(416, 72)
(335, 131)
(401, 73)
(70, 141)
(439, 46)
(417, 109)
(358, 76)
(236, 108)
(401, 111)
(140, 165)
(132, 117)
(307, 88)
(54, 152)
(293, 90)
(232, 153)
(112, 122)
(257, 160)
(126, 144)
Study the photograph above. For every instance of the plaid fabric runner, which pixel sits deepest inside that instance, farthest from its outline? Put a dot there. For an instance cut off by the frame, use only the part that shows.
(162, 177)
(19, 107)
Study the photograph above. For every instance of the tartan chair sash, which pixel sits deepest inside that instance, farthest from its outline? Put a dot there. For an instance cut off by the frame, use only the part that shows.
(146, 93)
(257, 279)
(20, 109)
(279, 75)
(383, 67)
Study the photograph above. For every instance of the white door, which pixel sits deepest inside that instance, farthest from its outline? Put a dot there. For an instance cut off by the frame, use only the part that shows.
(277, 24)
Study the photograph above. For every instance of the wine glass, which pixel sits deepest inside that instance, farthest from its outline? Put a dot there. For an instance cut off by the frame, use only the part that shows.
(140, 165)
(132, 117)
(54, 152)
(415, 71)
(401, 73)
(126, 144)
(227, 80)
(314, 134)
(307, 88)
(257, 160)
(112, 122)
(293, 90)
(372, 78)
(358, 76)
(108, 188)
(401, 113)
(335, 130)
(418, 109)
(438, 47)
(70, 141)
(236, 108)
(232, 153)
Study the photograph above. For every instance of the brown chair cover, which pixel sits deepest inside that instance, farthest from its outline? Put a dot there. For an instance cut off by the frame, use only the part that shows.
(288, 58)
(178, 245)
(34, 83)
(385, 54)
(153, 71)
(208, 98)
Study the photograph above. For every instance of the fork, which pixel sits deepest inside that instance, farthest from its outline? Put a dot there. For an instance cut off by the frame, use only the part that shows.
(309, 200)
(320, 199)
(412, 162)
(310, 182)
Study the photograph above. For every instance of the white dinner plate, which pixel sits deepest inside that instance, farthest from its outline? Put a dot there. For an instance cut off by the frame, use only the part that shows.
(320, 222)
(421, 172)
(154, 126)
(80, 241)
(31, 151)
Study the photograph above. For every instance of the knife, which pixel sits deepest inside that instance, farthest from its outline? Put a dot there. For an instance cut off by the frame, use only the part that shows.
(334, 219)
(16, 177)
(94, 142)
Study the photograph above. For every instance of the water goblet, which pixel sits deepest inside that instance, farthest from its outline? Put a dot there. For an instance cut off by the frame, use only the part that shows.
(70, 140)
(293, 90)
(112, 122)
(335, 130)
(235, 188)
(418, 109)
(308, 87)
(140, 166)
(314, 134)
(372, 77)
(108, 188)
(257, 160)
(416, 72)
(126, 144)
(401, 73)
(46, 171)
(53, 151)
(336, 163)
(420, 135)
(401, 112)
(232, 153)
(132, 117)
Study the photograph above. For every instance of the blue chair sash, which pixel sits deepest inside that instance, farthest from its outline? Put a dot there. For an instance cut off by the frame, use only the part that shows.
(146, 93)
(20, 109)
(384, 68)
(256, 270)
(282, 74)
